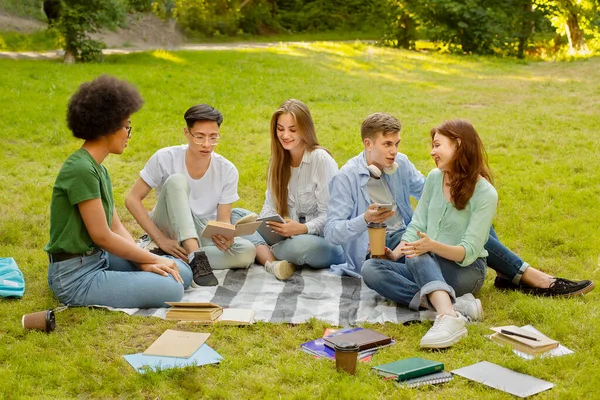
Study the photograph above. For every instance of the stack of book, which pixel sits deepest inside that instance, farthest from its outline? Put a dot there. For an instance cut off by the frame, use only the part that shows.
(209, 313)
(523, 340)
(413, 372)
(368, 341)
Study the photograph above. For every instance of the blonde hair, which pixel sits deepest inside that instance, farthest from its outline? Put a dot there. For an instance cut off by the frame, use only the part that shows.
(280, 163)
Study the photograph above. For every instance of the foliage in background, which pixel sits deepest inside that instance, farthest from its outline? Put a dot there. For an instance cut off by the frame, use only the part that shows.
(23, 8)
(79, 18)
(36, 41)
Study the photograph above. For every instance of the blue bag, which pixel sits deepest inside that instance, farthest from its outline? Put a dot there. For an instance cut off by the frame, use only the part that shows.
(12, 283)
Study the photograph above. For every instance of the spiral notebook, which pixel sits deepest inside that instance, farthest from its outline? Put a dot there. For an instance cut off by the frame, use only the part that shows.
(431, 379)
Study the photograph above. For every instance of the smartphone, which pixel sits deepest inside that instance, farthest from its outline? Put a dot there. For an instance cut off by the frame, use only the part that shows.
(270, 237)
(386, 206)
(276, 218)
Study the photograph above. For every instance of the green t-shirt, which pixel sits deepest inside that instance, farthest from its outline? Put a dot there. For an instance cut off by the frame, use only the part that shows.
(81, 178)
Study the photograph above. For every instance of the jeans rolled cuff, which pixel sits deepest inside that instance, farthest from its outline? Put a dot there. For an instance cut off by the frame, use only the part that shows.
(431, 287)
(517, 278)
(188, 235)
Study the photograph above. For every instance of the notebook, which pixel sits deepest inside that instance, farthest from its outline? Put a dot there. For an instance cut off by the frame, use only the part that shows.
(503, 379)
(317, 347)
(431, 379)
(408, 368)
(529, 346)
(364, 338)
(142, 363)
(174, 343)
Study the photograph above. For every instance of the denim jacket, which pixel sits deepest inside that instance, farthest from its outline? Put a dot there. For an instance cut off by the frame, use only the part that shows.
(349, 200)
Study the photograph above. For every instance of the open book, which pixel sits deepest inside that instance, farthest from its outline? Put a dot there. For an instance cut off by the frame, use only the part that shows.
(245, 226)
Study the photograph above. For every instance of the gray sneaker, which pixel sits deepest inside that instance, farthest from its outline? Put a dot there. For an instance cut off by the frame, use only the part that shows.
(470, 307)
(202, 272)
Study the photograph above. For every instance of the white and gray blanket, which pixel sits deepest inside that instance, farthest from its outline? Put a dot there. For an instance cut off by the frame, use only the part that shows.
(337, 300)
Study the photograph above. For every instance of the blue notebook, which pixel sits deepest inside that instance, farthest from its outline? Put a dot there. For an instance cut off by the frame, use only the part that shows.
(204, 355)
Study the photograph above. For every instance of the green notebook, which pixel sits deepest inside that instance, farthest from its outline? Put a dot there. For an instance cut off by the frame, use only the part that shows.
(409, 368)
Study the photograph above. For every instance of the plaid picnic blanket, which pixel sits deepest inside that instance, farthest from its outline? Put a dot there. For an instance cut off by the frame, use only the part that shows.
(338, 300)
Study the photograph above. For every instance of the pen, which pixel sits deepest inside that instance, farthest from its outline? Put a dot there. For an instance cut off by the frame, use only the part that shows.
(504, 331)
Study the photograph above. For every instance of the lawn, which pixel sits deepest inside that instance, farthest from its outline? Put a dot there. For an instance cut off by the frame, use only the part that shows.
(539, 122)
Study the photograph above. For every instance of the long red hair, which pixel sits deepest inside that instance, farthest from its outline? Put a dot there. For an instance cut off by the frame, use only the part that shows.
(469, 162)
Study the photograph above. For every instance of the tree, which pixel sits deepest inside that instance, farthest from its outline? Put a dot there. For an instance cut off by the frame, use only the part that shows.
(77, 19)
(573, 18)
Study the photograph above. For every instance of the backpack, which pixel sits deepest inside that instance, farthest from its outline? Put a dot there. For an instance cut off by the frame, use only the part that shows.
(12, 283)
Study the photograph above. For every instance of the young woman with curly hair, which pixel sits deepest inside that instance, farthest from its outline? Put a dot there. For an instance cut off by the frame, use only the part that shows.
(93, 259)
(443, 246)
(298, 191)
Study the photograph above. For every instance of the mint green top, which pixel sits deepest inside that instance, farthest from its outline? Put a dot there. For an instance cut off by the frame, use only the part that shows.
(469, 228)
(80, 178)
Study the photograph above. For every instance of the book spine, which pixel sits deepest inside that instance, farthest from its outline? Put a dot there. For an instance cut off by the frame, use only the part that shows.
(420, 372)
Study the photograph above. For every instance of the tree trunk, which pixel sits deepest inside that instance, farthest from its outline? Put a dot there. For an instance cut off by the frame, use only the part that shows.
(527, 26)
(574, 34)
(69, 57)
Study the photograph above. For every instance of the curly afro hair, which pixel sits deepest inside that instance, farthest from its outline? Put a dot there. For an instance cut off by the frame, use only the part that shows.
(99, 107)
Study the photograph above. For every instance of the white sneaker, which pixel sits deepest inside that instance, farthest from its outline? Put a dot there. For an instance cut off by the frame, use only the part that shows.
(469, 307)
(446, 331)
(281, 269)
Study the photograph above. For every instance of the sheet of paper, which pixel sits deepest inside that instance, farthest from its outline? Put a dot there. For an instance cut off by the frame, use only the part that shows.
(503, 379)
(204, 355)
(174, 343)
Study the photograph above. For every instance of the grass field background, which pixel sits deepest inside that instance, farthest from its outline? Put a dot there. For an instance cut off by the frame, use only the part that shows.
(539, 122)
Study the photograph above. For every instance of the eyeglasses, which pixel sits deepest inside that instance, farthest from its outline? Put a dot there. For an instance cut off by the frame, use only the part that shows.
(128, 129)
(212, 140)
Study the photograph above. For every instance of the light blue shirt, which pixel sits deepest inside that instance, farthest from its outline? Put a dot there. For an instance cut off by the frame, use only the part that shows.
(349, 201)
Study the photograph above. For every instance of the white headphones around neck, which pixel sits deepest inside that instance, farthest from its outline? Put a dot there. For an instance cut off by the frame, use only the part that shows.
(376, 172)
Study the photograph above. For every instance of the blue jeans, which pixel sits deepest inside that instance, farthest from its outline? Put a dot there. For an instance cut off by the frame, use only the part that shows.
(409, 283)
(107, 280)
(311, 250)
(503, 261)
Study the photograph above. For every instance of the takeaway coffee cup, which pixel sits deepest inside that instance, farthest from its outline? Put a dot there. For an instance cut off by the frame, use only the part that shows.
(41, 320)
(377, 238)
(346, 354)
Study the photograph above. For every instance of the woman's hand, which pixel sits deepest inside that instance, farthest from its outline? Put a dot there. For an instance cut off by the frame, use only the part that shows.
(290, 228)
(163, 266)
(172, 247)
(222, 242)
(421, 246)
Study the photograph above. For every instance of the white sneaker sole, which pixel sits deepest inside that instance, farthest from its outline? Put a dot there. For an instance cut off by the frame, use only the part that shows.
(446, 343)
(284, 270)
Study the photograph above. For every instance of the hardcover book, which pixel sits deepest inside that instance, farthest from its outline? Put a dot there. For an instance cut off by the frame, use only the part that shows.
(209, 313)
(245, 226)
(364, 338)
(408, 368)
(523, 340)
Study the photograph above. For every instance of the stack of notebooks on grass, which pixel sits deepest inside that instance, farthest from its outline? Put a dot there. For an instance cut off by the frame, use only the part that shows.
(523, 339)
(209, 314)
(368, 342)
(175, 349)
(413, 372)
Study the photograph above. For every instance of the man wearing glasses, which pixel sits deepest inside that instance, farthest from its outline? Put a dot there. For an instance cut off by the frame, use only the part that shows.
(193, 185)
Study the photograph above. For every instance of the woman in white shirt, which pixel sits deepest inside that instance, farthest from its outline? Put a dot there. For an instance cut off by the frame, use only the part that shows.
(298, 191)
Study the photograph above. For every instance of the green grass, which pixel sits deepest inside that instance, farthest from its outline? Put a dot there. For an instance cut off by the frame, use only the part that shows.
(539, 122)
